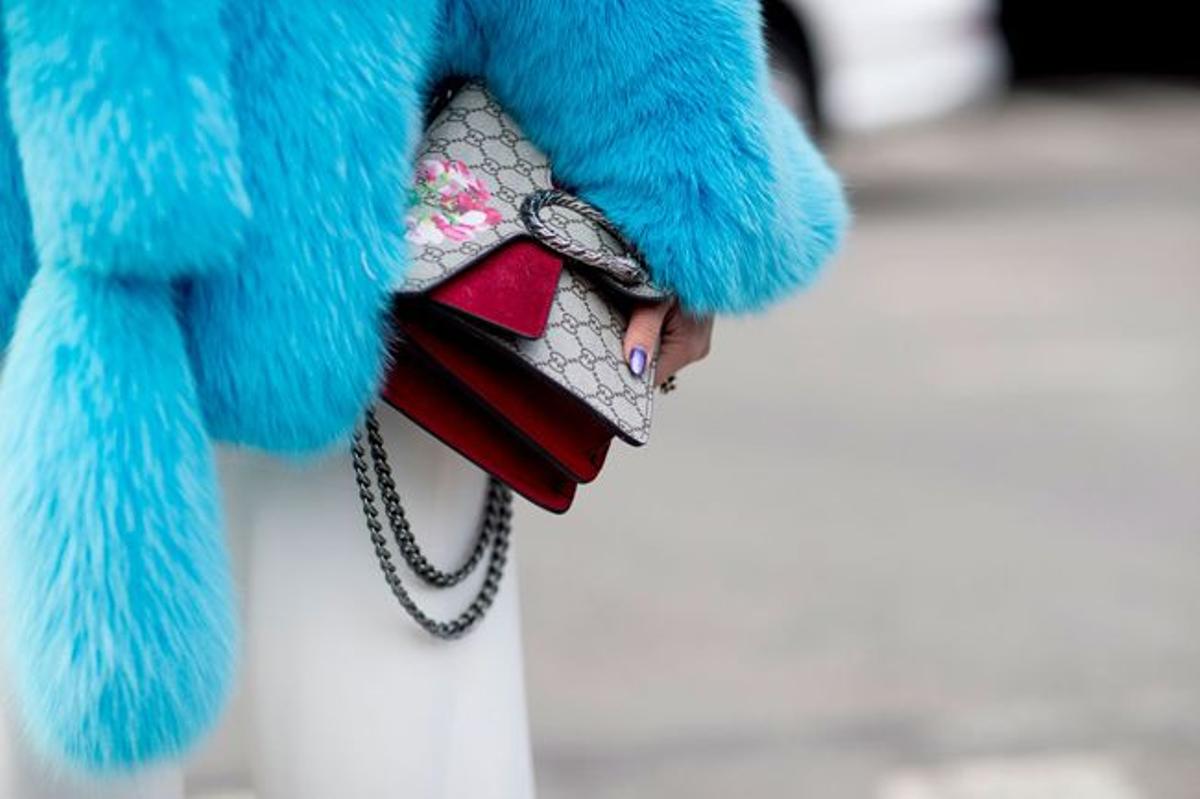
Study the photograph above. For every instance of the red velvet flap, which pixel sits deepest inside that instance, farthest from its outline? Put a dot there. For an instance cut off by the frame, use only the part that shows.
(551, 419)
(423, 392)
(512, 288)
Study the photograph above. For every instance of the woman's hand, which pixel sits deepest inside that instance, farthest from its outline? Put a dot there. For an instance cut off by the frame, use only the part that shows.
(664, 328)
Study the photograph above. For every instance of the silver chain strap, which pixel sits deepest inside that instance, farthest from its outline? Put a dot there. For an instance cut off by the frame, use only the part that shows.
(495, 530)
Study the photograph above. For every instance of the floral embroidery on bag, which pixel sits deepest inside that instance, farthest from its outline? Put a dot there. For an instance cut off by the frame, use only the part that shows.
(449, 203)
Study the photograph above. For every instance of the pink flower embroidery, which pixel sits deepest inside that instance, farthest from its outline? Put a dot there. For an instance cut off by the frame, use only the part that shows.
(448, 203)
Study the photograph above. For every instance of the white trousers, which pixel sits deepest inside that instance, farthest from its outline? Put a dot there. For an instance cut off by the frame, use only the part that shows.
(340, 695)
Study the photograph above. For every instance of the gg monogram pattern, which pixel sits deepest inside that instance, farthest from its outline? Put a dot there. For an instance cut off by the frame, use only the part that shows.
(476, 169)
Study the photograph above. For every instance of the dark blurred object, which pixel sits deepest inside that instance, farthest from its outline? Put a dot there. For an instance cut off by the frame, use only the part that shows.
(793, 65)
(1073, 38)
(853, 67)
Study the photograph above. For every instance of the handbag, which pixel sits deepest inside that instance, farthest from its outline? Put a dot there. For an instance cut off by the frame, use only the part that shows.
(508, 336)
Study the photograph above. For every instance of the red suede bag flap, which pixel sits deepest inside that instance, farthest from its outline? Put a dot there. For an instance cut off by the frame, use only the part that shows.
(512, 288)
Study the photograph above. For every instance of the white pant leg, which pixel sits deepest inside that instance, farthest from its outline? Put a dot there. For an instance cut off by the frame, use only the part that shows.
(343, 695)
(222, 765)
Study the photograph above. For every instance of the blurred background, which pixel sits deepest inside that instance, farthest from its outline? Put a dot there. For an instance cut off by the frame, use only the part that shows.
(931, 530)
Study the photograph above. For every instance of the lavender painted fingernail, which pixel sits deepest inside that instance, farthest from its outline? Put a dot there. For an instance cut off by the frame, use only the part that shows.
(637, 362)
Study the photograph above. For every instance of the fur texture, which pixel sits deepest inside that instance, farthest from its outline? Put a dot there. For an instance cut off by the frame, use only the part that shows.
(214, 192)
(329, 105)
(129, 144)
(118, 606)
(16, 248)
(659, 112)
(117, 594)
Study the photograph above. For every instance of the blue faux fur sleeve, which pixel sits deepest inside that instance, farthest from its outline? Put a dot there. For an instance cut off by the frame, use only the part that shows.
(123, 115)
(119, 620)
(660, 112)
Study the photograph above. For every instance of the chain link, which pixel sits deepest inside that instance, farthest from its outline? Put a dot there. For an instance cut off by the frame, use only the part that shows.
(495, 530)
(402, 530)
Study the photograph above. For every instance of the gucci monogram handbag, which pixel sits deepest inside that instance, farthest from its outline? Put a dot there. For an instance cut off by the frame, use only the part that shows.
(509, 331)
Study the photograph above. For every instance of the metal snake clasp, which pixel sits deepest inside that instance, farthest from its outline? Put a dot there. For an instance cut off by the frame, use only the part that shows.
(627, 270)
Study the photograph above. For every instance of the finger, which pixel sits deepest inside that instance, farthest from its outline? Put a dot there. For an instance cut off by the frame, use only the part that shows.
(674, 357)
(642, 336)
(686, 340)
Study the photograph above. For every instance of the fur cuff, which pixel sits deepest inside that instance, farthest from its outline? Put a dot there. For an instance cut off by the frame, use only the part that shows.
(659, 112)
(124, 121)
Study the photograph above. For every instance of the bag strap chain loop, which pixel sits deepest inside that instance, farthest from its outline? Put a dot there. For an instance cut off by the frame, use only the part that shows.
(495, 531)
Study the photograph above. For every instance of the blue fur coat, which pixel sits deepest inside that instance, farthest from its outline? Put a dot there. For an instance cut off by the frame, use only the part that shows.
(201, 209)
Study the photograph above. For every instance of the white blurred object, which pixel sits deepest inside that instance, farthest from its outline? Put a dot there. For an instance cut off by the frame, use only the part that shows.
(879, 63)
(1022, 778)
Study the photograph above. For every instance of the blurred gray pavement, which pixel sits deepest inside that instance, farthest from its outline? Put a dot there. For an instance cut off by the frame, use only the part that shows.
(933, 529)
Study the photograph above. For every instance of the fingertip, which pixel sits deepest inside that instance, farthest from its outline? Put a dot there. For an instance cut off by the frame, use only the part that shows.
(638, 359)
(644, 329)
